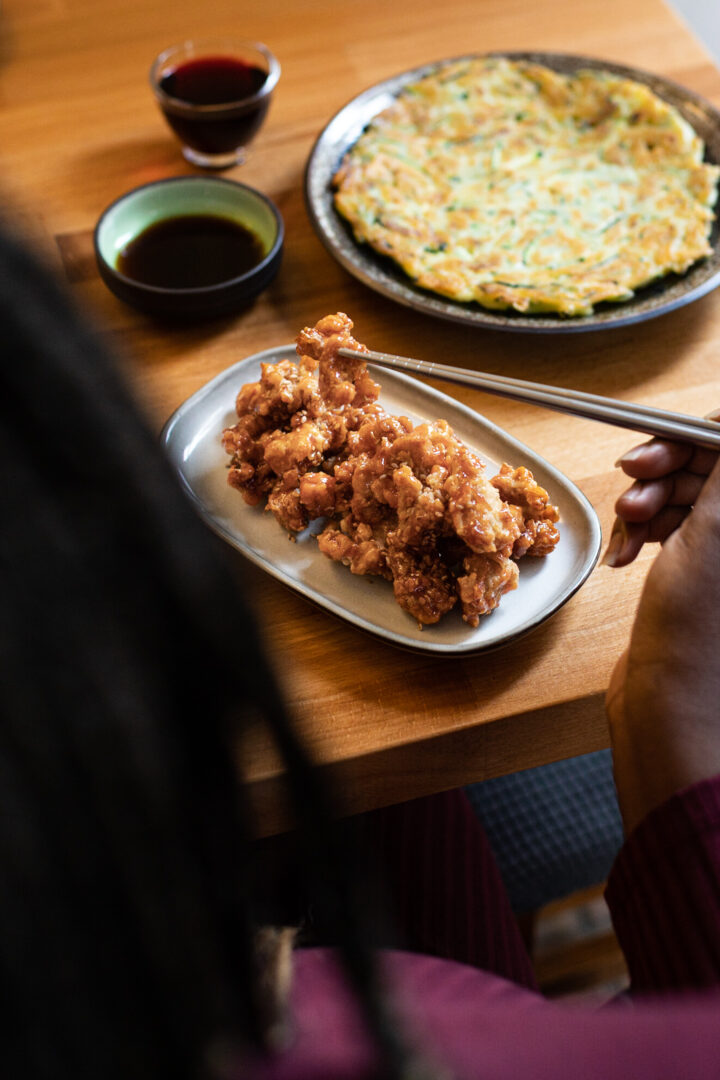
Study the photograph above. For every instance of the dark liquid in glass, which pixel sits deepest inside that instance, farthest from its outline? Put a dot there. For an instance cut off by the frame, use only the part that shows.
(191, 251)
(215, 80)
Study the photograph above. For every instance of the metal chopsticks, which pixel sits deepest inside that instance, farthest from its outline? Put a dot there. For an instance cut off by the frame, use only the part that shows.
(659, 422)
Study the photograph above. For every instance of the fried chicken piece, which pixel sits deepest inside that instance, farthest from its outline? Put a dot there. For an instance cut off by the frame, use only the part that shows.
(422, 583)
(477, 514)
(426, 448)
(284, 387)
(318, 494)
(377, 431)
(486, 580)
(285, 422)
(356, 547)
(248, 472)
(300, 447)
(265, 410)
(343, 475)
(340, 381)
(453, 478)
(356, 416)
(253, 482)
(420, 508)
(365, 465)
(539, 534)
(285, 504)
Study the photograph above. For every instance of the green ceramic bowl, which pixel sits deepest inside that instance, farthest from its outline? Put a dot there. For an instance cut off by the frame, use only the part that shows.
(133, 213)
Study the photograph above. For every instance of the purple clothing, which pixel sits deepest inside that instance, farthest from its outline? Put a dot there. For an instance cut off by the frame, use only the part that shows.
(664, 894)
(481, 1026)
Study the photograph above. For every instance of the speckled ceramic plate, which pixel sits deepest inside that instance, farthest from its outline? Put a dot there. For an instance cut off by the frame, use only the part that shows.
(192, 440)
(385, 277)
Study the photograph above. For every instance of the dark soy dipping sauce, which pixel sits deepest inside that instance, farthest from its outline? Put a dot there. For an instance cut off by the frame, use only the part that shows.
(216, 80)
(190, 251)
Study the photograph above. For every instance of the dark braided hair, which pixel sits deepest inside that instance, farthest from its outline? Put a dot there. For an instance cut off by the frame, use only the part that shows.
(129, 666)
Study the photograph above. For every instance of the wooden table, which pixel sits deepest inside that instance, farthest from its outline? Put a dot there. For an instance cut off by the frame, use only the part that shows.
(79, 127)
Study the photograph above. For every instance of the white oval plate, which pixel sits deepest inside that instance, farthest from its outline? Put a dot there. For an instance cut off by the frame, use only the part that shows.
(191, 438)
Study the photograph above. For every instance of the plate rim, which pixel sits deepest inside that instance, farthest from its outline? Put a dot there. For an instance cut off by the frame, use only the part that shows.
(438, 649)
(369, 268)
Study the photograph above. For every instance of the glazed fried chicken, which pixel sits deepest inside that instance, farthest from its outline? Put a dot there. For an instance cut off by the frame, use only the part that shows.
(340, 381)
(408, 503)
(518, 488)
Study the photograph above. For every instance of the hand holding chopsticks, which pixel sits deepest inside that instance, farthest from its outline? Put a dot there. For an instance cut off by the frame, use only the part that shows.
(658, 422)
(668, 480)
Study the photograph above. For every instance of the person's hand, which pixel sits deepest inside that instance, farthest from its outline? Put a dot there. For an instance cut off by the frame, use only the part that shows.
(668, 479)
(663, 703)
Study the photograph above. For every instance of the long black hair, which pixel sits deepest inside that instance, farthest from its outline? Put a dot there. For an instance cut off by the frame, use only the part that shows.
(129, 666)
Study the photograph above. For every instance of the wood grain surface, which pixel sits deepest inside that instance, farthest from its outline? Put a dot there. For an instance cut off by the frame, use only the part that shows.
(80, 127)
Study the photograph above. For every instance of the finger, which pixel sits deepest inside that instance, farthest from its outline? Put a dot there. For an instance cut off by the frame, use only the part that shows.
(646, 498)
(667, 522)
(625, 543)
(627, 538)
(660, 457)
(654, 458)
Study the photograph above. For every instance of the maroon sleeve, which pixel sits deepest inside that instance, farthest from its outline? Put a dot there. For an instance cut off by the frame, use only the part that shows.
(664, 894)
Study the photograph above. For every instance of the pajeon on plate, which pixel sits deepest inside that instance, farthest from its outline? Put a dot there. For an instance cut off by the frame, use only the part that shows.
(523, 191)
(192, 440)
